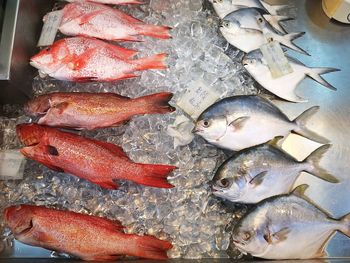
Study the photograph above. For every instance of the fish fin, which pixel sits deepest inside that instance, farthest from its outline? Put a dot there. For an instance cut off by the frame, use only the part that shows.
(258, 179)
(99, 258)
(132, 2)
(156, 103)
(162, 32)
(118, 96)
(286, 40)
(153, 62)
(115, 149)
(123, 52)
(150, 247)
(84, 79)
(124, 76)
(154, 175)
(59, 108)
(84, 19)
(281, 235)
(299, 191)
(113, 225)
(128, 18)
(238, 124)
(274, 142)
(345, 229)
(273, 9)
(315, 73)
(274, 21)
(81, 61)
(107, 185)
(305, 132)
(131, 38)
(313, 159)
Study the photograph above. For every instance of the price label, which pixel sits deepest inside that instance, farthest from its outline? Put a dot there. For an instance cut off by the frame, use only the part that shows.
(52, 22)
(11, 165)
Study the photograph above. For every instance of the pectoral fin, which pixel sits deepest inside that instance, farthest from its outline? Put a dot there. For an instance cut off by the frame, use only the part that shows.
(238, 124)
(281, 235)
(258, 179)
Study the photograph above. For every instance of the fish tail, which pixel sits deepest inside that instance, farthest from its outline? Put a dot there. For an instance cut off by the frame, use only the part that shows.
(315, 75)
(273, 9)
(149, 247)
(153, 62)
(305, 132)
(155, 175)
(275, 20)
(345, 225)
(162, 32)
(287, 40)
(156, 103)
(315, 169)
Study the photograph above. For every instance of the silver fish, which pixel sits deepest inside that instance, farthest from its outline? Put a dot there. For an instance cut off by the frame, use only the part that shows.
(240, 122)
(283, 87)
(224, 7)
(260, 172)
(287, 227)
(251, 38)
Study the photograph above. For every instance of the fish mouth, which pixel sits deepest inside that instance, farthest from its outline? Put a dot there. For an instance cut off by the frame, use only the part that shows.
(26, 230)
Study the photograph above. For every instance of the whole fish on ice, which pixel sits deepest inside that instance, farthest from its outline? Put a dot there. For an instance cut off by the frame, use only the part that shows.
(224, 7)
(82, 110)
(287, 227)
(240, 122)
(84, 236)
(110, 2)
(104, 22)
(87, 59)
(237, 29)
(260, 172)
(284, 87)
(96, 161)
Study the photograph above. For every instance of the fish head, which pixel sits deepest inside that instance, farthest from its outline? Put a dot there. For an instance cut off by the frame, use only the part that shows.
(30, 134)
(211, 128)
(254, 60)
(228, 182)
(38, 106)
(249, 238)
(229, 26)
(51, 58)
(19, 219)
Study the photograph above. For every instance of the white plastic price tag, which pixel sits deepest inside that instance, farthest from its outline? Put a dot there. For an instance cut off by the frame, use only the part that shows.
(52, 22)
(11, 165)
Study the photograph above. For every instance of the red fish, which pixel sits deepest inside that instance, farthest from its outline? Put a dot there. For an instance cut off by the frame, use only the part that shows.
(94, 110)
(111, 2)
(104, 22)
(96, 161)
(84, 236)
(88, 59)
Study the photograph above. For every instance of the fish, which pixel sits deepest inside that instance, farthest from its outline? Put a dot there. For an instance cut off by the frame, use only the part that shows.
(83, 110)
(285, 86)
(107, 23)
(99, 162)
(111, 2)
(259, 172)
(233, 28)
(224, 7)
(84, 236)
(287, 227)
(84, 59)
(239, 122)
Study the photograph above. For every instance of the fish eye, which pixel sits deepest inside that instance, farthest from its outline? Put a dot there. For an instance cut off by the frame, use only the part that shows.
(260, 20)
(206, 123)
(224, 183)
(246, 236)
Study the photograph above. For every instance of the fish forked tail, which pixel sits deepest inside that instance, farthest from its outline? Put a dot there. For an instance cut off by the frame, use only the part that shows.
(315, 73)
(287, 40)
(273, 9)
(345, 225)
(162, 32)
(150, 247)
(275, 20)
(153, 62)
(155, 103)
(315, 169)
(305, 132)
(155, 175)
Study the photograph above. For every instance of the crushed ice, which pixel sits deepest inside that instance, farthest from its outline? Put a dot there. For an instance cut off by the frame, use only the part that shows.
(187, 215)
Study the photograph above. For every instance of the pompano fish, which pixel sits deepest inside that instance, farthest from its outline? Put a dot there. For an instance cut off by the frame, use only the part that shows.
(240, 122)
(82, 110)
(96, 161)
(224, 7)
(260, 172)
(104, 22)
(87, 59)
(287, 227)
(233, 28)
(87, 237)
(111, 2)
(284, 87)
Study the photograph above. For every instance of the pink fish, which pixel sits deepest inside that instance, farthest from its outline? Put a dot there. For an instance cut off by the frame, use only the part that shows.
(87, 59)
(104, 22)
(111, 2)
